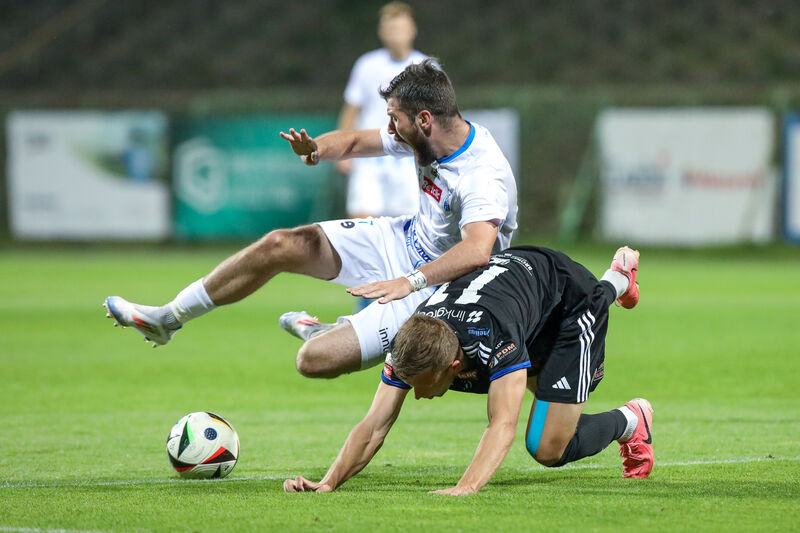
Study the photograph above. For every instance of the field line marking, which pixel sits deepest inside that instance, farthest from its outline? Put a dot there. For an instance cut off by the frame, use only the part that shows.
(674, 463)
(45, 530)
(123, 483)
(56, 484)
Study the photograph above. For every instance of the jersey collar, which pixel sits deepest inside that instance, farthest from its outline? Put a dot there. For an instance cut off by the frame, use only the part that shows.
(463, 148)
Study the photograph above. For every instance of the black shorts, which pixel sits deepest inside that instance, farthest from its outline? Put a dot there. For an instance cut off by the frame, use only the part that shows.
(569, 353)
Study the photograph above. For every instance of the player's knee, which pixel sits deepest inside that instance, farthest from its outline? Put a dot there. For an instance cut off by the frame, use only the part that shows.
(547, 453)
(287, 245)
(275, 244)
(313, 363)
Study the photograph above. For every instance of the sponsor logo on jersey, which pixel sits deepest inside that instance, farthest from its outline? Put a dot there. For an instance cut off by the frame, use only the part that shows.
(468, 374)
(384, 335)
(347, 224)
(474, 316)
(502, 353)
(430, 188)
(447, 314)
(479, 332)
(506, 258)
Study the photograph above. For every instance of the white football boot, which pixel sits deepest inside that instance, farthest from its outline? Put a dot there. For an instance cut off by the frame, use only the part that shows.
(143, 318)
(302, 325)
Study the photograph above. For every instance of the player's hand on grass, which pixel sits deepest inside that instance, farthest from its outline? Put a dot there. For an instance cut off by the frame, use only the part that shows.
(301, 484)
(303, 145)
(454, 491)
(393, 289)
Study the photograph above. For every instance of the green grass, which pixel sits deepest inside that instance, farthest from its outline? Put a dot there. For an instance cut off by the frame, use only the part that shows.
(714, 344)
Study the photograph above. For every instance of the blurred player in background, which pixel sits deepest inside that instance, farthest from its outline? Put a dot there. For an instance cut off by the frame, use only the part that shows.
(534, 319)
(468, 209)
(380, 186)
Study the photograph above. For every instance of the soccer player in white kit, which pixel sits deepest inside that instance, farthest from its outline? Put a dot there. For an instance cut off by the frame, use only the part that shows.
(468, 210)
(380, 186)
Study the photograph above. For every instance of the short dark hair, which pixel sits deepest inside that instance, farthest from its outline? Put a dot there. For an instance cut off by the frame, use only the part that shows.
(396, 9)
(423, 343)
(423, 86)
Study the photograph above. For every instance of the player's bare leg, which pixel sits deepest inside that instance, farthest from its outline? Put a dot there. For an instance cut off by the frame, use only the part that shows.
(559, 433)
(302, 250)
(331, 353)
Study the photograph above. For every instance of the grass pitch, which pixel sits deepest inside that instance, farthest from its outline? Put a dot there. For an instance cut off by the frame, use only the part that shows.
(714, 345)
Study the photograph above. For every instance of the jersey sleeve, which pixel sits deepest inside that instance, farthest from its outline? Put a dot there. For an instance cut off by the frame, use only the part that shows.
(483, 197)
(393, 147)
(508, 356)
(388, 377)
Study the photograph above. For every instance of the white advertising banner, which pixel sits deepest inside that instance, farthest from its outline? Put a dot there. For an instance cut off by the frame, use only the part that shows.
(693, 176)
(791, 178)
(88, 175)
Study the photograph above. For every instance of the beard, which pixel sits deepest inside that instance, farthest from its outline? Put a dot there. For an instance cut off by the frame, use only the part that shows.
(424, 153)
(422, 149)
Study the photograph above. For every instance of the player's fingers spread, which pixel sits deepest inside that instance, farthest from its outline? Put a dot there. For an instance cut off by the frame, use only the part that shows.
(288, 486)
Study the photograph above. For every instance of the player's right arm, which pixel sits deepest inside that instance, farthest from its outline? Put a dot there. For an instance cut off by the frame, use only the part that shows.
(335, 145)
(361, 445)
(347, 121)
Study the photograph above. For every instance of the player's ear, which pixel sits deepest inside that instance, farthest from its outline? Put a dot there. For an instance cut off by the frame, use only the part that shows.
(425, 120)
(456, 365)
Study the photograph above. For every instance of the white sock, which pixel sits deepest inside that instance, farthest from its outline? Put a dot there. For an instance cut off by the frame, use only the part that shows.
(618, 280)
(632, 419)
(191, 302)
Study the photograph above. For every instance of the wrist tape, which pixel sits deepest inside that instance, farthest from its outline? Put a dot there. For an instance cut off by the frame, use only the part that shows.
(417, 279)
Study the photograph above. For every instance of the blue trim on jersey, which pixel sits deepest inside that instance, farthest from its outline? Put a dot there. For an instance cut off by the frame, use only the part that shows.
(537, 426)
(394, 382)
(464, 146)
(526, 364)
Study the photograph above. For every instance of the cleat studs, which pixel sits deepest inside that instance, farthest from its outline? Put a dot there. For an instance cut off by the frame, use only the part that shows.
(155, 345)
(147, 339)
(108, 315)
(116, 324)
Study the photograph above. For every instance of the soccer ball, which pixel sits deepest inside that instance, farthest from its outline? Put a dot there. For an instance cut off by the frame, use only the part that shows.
(203, 445)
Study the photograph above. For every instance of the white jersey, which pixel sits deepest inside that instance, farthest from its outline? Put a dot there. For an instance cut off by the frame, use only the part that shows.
(473, 184)
(379, 185)
(371, 72)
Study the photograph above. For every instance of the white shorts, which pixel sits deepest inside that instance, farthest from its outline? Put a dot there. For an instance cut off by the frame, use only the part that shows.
(374, 249)
(383, 186)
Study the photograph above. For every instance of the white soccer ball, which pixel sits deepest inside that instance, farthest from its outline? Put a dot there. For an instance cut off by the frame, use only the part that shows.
(203, 445)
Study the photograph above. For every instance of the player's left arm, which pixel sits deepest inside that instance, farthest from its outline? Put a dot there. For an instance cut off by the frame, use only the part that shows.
(505, 399)
(477, 240)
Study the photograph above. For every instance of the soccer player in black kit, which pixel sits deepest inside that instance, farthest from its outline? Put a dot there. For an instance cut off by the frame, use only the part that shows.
(532, 319)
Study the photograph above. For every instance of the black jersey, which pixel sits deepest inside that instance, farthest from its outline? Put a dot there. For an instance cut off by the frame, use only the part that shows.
(499, 311)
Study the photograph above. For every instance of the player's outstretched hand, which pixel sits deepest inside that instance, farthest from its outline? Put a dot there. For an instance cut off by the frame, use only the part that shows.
(303, 145)
(454, 491)
(393, 289)
(301, 484)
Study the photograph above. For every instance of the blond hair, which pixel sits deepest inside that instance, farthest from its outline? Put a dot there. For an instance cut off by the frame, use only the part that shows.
(423, 343)
(396, 9)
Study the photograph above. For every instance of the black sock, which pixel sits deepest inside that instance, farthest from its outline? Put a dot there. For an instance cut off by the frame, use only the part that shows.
(594, 433)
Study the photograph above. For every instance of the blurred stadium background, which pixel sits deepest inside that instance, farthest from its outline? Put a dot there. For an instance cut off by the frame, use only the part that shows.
(157, 121)
(255, 66)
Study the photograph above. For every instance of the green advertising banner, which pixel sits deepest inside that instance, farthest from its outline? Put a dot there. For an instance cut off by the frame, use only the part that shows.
(234, 177)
